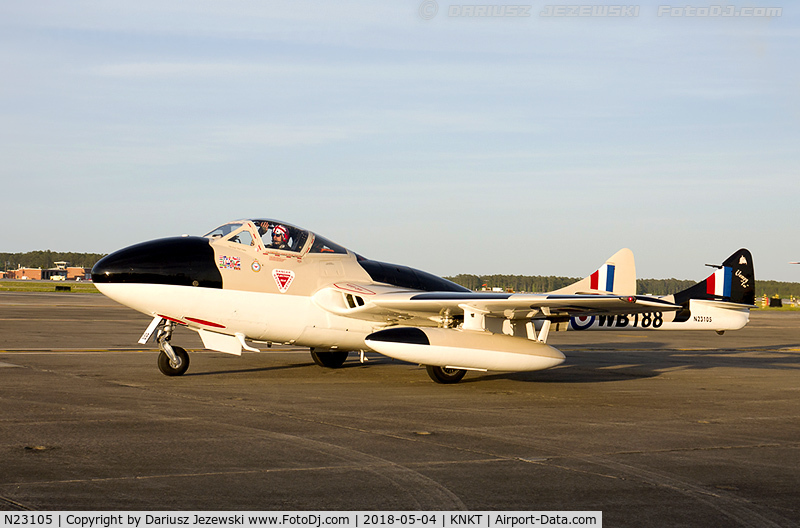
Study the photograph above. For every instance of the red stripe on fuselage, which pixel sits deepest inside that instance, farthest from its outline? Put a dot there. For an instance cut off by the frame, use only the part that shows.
(207, 323)
(173, 320)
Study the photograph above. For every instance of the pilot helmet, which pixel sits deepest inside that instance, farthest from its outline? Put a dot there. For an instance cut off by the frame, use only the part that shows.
(282, 232)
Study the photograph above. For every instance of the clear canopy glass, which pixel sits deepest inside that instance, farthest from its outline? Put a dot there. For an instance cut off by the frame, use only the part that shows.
(274, 235)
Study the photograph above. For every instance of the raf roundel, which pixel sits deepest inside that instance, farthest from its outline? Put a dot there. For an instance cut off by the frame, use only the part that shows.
(582, 322)
(255, 266)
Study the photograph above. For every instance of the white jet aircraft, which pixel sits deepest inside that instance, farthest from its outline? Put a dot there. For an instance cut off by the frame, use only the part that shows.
(266, 281)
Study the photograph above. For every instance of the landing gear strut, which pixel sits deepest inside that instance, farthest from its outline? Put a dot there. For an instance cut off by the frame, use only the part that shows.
(172, 360)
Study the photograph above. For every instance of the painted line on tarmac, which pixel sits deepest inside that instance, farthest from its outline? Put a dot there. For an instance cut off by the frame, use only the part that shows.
(91, 351)
(31, 351)
(15, 505)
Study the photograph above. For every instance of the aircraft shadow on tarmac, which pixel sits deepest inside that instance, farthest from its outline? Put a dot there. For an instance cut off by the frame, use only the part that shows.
(374, 360)
(603, 366)
(247, 371)
(596, 364)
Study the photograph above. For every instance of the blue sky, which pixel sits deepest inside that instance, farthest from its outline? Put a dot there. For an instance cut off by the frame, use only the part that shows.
(454, 144)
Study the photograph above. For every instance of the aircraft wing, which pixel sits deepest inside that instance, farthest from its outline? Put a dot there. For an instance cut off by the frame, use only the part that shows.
(387, 304)
(519, 305)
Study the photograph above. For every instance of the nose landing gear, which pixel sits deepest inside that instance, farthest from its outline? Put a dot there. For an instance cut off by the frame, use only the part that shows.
(172, 360)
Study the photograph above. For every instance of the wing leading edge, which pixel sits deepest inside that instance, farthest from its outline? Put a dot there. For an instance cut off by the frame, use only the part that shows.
(517, 305)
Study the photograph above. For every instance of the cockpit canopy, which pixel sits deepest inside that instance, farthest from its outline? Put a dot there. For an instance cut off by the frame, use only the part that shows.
(274, 235)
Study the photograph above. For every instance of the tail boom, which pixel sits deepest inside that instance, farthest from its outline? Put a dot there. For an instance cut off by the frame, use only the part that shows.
(720, 302)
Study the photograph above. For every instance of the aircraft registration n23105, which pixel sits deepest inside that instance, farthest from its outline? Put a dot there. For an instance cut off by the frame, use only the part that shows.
(263, 281)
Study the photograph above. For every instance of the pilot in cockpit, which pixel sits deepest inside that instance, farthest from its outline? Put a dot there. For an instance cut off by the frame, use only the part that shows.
(280, 237)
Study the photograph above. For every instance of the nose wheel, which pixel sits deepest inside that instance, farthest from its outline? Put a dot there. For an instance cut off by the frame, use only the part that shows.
(170, 367)
(172, 360)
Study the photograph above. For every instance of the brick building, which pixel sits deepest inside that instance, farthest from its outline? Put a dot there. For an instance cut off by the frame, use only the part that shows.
(28, 273)
(68, 272)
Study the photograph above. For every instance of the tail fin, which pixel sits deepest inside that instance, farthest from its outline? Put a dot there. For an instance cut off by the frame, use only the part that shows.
(734, 282)
(617, 275)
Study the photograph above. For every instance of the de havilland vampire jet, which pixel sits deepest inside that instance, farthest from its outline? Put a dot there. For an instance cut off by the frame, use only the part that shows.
(266, 281)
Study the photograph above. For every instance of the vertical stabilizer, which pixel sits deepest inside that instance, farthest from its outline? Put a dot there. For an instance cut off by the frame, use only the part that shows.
(617, 275)
(734, 281)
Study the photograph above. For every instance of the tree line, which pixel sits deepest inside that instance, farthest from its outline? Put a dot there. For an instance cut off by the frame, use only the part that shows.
(47, 259)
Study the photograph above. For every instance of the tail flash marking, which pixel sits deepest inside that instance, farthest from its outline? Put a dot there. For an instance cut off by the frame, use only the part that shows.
(603, 277)
(719, 284)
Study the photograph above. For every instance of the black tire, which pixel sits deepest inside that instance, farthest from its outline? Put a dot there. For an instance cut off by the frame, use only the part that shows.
(167, 369)
(445, 375)
(329, 359)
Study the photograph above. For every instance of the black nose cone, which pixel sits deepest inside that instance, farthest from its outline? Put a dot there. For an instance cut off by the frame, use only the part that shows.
(182, 261)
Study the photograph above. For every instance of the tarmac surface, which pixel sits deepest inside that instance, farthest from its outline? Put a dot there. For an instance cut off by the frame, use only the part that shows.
(651, 428)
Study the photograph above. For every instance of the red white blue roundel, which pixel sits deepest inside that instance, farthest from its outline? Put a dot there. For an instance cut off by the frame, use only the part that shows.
(582, 322)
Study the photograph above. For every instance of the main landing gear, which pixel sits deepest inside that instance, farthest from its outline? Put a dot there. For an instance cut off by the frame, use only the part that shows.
(172, 360)
(333, 359)
(445, 375)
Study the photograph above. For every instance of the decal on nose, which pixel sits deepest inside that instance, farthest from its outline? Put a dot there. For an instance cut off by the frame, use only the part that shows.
(182, 261)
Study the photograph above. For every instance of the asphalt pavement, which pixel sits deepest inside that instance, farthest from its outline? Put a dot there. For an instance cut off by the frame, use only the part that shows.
(651, 428)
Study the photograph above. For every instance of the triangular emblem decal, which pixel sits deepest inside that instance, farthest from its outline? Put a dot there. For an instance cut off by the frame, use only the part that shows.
(283, 278)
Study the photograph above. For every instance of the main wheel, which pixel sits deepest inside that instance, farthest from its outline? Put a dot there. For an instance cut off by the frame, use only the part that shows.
(444, 374)
(329, 359)
(166, 366)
